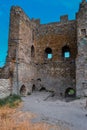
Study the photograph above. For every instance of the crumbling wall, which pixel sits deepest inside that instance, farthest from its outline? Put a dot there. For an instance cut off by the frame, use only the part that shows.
(56, 74)
(21, 36)
(81, 60)
(5, 81)
(5, 84)
(27, 65)
(81, 70)
(56, 36)
(5, 88)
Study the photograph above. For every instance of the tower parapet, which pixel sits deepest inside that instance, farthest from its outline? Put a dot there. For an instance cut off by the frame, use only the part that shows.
(64, 18)
(37, 21)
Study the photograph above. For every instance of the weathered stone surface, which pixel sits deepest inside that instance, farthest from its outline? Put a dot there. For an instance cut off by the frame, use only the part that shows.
(81, 60)
(81, 71)
(4, 88)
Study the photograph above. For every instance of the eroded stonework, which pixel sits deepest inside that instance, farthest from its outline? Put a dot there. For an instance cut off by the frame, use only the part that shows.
(46, 56)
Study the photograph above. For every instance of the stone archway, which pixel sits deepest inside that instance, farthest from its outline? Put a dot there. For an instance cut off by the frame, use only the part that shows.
(23, 90)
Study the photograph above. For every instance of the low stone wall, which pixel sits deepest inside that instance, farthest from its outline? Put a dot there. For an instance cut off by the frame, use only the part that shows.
(4, 88)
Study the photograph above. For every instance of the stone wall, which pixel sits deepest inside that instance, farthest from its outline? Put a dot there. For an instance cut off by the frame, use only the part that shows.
(81, 62)
(5, 89)
(56, 74)
(55, 36)
(28, 66)
(81, 68)
(20, 41)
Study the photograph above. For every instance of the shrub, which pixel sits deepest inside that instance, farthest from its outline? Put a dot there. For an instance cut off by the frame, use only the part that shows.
(71, 92)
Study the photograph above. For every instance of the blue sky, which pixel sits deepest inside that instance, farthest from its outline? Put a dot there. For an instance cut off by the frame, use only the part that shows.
(46, 10)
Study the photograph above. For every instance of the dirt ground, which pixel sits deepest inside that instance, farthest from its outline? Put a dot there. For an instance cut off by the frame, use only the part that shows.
(69, 115)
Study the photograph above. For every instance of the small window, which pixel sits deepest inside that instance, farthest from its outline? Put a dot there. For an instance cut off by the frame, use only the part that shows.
(66, 52)
(48, 53)
(49, 56)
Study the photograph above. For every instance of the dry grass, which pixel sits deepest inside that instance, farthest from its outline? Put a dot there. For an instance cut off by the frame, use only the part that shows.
(13, 119)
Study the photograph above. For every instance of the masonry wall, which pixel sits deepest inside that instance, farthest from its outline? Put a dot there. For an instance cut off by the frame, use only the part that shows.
(4, 88)
(5, 82)
(27, 66)
(56, 74)
(56, 36)
(81, 62)
(26, 69)
(20, 42)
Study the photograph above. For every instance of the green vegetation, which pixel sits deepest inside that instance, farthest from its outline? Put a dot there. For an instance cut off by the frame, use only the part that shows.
(11, 101)
(71, 92)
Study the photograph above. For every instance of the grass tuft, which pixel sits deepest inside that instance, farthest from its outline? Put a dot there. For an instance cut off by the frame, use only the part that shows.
(11, 101)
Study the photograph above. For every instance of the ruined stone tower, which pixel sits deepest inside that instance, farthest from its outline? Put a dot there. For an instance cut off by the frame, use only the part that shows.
(46, 56)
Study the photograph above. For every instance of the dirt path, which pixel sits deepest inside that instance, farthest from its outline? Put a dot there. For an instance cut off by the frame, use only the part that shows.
(71, 114)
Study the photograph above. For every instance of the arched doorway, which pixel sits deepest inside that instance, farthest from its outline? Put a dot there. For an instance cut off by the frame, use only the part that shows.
(23, 90)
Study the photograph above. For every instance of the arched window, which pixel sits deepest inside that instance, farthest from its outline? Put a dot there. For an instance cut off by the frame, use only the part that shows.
(66, 52)
(48, 53)
(32, 51)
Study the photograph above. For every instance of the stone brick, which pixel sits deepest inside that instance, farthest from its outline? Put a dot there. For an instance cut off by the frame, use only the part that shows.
(4, 88)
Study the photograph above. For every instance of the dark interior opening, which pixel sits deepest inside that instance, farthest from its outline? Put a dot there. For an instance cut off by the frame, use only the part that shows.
(48, 53)
(33, 87)
(66, 52)
(43, 89)
(39, 79)
(32, 51)
(70, 92)
(23, 90)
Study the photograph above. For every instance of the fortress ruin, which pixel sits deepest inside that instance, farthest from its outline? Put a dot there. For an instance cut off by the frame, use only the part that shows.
(49, 56)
